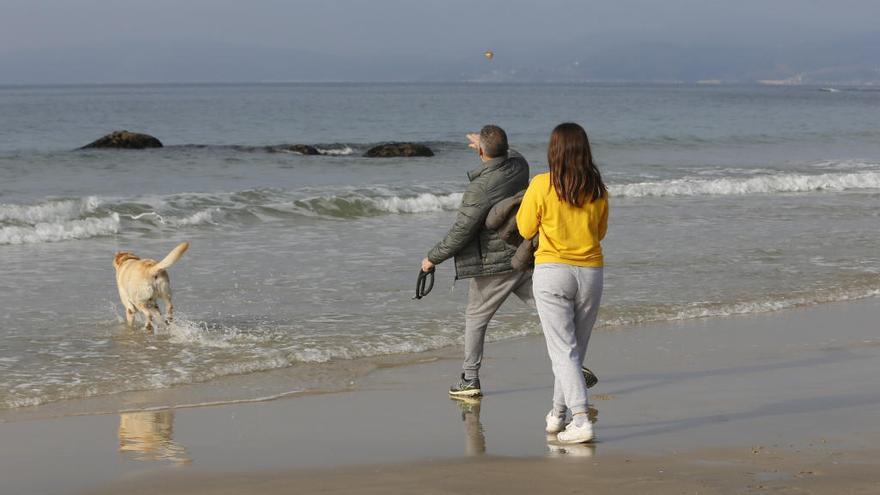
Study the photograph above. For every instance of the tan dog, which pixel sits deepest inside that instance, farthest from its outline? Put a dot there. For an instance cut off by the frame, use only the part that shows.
(142, 282)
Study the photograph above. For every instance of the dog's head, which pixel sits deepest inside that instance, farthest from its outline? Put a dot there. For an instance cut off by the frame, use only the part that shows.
(121, 257)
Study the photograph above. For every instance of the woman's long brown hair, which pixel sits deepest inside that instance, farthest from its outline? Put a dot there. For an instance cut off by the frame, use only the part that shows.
(572, 171)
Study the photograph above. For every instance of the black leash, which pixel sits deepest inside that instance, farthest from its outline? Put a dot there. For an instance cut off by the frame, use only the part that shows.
(425, 283)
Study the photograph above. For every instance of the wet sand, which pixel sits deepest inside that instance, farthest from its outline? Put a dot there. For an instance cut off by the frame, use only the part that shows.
(785, 401)
(703, 472)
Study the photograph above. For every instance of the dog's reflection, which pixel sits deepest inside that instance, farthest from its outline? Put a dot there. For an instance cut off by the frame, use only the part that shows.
(470, 414)
(149, 436)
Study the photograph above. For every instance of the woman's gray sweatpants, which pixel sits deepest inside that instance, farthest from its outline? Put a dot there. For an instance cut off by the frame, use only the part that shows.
(567, 298)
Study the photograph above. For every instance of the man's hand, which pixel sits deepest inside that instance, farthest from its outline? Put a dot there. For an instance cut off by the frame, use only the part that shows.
(427, 265)
(474, 139)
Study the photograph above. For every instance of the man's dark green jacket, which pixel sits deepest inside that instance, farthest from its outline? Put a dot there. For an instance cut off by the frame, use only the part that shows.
(479, 251)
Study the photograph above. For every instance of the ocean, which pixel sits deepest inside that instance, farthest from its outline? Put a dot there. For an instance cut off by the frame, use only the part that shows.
(725, 200)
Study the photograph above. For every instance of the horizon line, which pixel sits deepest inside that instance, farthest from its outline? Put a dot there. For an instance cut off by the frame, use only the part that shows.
(700, 83)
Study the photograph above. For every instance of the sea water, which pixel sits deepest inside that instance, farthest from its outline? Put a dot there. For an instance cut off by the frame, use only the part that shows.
(724, 200)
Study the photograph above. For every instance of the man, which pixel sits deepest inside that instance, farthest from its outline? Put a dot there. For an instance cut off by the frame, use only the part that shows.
(480, 254)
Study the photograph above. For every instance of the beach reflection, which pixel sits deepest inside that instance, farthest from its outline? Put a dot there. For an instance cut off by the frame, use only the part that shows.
(556, 449)
(570, 450)
(149, 436)
(475, 441)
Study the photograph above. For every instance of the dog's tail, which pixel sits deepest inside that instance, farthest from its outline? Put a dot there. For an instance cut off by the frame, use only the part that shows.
(171, 259)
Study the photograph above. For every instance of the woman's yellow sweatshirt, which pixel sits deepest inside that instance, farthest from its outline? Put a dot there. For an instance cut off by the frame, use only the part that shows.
(569, 234)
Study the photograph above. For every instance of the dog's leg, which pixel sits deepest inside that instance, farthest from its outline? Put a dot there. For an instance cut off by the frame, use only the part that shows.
(169, 310)
(156, 314)
(148, 316)
(129, 316)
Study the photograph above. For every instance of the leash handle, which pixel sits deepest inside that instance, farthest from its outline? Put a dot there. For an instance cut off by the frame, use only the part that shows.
(424, 283)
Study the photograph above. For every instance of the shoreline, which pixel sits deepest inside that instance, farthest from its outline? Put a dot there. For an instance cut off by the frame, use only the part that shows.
(708, 390)
(249, 388)
(347, 374)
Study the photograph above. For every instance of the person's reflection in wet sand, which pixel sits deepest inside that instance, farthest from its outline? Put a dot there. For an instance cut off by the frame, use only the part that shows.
(149, 436)
(470, 413)
(556, 449)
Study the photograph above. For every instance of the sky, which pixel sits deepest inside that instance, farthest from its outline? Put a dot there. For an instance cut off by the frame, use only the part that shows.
(49, 41)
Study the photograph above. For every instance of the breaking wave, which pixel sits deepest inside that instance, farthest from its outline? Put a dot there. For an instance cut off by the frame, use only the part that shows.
(359, 205)
(49, 211)
(82, 218)
(55, 221)
(69, 219)
(60, 231)
(762, 184)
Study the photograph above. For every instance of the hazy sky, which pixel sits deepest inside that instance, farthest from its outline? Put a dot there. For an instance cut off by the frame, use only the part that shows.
(442, 29)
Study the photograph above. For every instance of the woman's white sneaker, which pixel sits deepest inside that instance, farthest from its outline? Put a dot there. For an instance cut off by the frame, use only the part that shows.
(578, 431)
(555, 423)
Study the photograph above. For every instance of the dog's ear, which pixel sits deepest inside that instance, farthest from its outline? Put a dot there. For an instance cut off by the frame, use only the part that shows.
(117, 258)
(122, 256)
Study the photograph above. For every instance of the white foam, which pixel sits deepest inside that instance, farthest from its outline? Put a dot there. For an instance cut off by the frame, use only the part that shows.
(194, 405)
(50, 211)
(764, 184)
(861, 165)
(25, 402)
(698, 311)
(422, 203)
(189, 332)
(336, 151)
(269, 355)
(398, 342)
(60, 231)
(202, 217)
(198, 218)
(144, 215)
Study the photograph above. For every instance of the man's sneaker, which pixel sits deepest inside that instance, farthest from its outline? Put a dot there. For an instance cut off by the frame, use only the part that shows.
(589, 377)
(578, 431)
(466, 388)
(555, 423)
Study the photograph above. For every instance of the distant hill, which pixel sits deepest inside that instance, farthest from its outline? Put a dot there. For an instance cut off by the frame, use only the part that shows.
(848, 60)
(852, 60)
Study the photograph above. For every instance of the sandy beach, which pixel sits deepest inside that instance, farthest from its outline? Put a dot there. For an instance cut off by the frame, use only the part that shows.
(705, 471)
(784, 401)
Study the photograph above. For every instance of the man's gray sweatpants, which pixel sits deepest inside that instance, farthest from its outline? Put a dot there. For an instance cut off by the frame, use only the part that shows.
(485, 295)
(567, 298)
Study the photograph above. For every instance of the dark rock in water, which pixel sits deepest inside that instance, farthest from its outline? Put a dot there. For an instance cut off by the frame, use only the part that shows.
(389, 150)
(125, 140)
(302, 149)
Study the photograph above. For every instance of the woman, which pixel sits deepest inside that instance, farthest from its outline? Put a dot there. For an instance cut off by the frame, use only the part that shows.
(568, 207)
